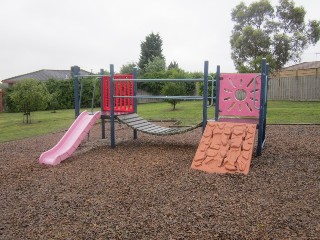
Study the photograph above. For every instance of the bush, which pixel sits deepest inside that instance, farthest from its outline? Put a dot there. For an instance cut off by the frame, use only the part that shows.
(62, 92)
(173, 89)
(30, 95)
(156, 87)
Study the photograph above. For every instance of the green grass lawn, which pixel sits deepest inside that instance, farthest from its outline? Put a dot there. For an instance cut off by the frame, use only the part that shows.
(287, 112)
(12, 127)
(187, 113)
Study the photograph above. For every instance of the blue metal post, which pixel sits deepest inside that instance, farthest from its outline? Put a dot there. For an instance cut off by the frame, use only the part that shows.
(266, 103)
(216, 114)
(262, 106)
(205, 95)
(112, 127)
(103, 121)
(135, 87)
(75, 72)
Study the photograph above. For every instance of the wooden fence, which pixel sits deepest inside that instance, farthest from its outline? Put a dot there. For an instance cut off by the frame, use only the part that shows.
(298, 85)
(146, 100)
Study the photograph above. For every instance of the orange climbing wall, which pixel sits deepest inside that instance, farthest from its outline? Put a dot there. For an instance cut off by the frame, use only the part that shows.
(225, 148)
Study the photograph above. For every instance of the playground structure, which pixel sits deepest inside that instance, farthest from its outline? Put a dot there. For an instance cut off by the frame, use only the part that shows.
(241, 108)
(118, 102)
(237, 97)
(118, 98)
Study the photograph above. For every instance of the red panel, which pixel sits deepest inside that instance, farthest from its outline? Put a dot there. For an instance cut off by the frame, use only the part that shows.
(123, 88)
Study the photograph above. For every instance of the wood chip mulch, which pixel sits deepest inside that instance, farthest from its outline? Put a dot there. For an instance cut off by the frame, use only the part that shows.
(145, 189)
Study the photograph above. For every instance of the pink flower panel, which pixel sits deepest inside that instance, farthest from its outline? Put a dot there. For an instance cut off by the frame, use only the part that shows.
(239, 94)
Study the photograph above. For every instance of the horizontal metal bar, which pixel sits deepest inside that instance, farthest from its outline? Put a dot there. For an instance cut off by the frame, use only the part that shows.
(163, 80)
(93, 75)
(163, 97)
(148, 80)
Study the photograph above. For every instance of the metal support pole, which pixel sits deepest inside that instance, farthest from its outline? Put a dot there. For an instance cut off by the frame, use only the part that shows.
(75, 72)
(205, 95)
(103, 120)
(112, 126)
(212, 91)
(262, 106)
(266, 103)
(216, 114)
(135, 87)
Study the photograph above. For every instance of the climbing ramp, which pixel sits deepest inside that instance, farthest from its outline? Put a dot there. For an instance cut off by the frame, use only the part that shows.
(225, 147)
(138, 123)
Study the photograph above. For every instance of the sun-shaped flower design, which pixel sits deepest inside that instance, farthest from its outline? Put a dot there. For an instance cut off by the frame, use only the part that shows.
(240, 95)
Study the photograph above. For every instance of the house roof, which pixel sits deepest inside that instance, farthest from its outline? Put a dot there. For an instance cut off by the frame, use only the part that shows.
(304, 65)
(44, 75)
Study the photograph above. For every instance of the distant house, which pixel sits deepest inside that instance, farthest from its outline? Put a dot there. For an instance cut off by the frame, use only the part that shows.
(303, 66)
(300, 82)
(42, 75)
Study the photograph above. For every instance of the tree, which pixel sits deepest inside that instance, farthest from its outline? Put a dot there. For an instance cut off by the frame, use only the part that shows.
(150, 48)
(279, 34)
(157, 64)
(173, 65)
(127, 68)
(155, 69)
(30, 95)
(5, 97)
(173, 89)
(177, 73)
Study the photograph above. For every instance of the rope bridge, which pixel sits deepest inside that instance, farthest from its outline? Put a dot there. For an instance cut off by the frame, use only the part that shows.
(136, 122)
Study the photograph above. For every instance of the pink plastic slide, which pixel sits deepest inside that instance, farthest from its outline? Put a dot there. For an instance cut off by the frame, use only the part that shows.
(70, 140)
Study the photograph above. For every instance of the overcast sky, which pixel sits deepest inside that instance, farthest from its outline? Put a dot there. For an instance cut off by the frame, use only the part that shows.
(56, 34)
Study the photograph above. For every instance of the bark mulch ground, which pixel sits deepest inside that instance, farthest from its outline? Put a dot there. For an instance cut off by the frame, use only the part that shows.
(145, 189)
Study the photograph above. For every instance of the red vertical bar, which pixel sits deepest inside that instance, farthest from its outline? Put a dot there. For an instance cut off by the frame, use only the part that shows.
(106, 91)
(116, 101)
(132, 94)
(121, 93)
(115, 93)
(109, 93)
(129, 94)
(119, 99)
(103, 92)
(125, 100)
